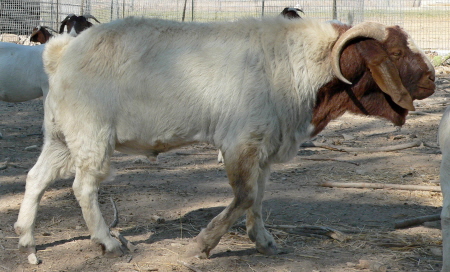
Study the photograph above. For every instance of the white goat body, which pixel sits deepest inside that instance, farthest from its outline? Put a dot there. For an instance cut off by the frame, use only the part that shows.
(188, 63)
(22, 74)
(444, 143)
(178, 89)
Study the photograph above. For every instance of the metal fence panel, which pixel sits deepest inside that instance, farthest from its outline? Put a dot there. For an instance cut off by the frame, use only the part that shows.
(427, 21)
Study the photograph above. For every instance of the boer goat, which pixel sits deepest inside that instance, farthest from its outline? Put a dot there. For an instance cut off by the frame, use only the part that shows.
(76, 24)
(254, 88)
(444, 143)
(41, 34)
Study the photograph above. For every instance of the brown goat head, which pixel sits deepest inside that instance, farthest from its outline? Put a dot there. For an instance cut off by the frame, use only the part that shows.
(386, 73)
(40, 34)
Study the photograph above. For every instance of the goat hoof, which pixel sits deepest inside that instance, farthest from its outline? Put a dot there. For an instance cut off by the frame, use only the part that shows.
(270, 249)
(197, 254)
(195, 251)
(113, 253)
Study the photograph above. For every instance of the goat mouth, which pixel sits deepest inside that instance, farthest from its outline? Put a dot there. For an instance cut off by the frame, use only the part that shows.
(400, 119)
(399, 122)
(423, 92)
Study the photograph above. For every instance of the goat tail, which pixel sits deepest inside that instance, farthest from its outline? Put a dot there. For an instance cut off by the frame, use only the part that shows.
(53, 52)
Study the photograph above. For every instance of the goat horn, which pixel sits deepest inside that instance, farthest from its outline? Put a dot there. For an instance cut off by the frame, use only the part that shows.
(47, 27)
(88, 16)
(64, 22)
(67, 17)
(363, 30)
(35, 31)
(300, 10)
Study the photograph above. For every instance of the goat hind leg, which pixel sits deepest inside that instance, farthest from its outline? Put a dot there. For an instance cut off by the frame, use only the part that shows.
(53, 161)
(85, 187)
(243, 171)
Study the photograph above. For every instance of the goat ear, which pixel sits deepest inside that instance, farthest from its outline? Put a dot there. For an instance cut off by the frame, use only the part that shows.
(61, 28)
(64, 22)
(384, 73)
(33, 36)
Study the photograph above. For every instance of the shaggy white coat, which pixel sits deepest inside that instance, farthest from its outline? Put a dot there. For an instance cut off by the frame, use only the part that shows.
(193, 82)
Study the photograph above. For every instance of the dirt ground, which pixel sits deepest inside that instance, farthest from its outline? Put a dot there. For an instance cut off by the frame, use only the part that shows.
(163, 205)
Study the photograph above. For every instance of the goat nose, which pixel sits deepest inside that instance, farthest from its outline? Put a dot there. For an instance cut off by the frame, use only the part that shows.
(432, 77)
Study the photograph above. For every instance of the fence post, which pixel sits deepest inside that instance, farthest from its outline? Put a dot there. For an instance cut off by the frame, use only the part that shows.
(57, 11)
(184, 11)
(262, 8)
(88, 7)
(112, 9)
(192, 10)
(334, 10)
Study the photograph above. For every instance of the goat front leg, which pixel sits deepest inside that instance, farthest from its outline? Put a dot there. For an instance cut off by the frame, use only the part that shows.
(256, 231)
(243, 173)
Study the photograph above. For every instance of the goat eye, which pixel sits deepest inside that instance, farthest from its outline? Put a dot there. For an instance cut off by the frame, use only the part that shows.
(396, 53)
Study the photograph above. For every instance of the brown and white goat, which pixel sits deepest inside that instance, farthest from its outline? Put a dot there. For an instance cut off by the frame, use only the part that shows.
(41, 34)
(254, 88)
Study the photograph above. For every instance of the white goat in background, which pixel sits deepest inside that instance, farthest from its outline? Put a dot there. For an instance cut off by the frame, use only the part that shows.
(22, 75)
(444, 143)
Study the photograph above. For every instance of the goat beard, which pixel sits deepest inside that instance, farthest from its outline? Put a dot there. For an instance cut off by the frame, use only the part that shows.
(386, 109)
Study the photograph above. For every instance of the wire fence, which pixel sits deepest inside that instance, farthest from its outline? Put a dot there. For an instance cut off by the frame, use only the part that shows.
(428, 22)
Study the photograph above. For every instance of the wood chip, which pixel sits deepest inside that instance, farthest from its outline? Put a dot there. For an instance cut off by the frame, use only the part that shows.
(32, 148)
(366, 185)
(417, 221)
(372, 266)
(363, 149)
(191, 267)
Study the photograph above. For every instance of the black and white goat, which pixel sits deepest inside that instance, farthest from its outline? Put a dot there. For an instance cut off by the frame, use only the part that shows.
(76, 24)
